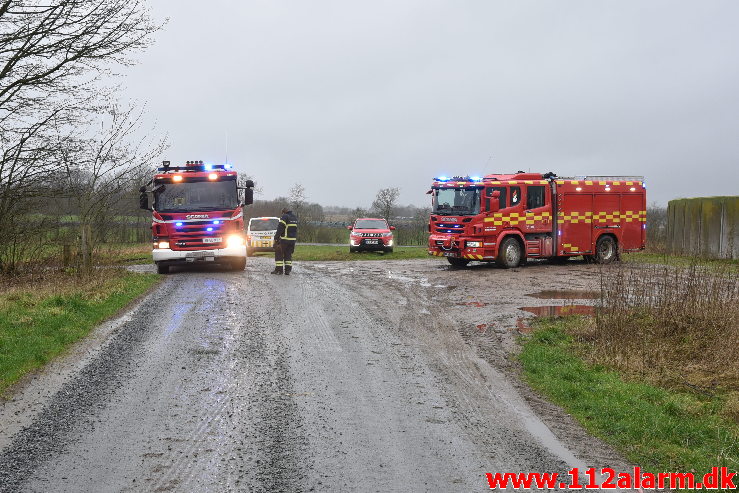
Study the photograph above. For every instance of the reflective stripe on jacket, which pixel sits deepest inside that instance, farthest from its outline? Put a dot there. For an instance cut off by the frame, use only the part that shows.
(287, 229)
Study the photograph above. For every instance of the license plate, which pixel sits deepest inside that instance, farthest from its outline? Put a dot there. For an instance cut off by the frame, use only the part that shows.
(200, 254)
(211, 240)
(371, 242)
(449, 254)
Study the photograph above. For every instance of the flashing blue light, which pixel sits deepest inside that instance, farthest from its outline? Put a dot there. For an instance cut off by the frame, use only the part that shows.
(216, 222)
(178, 224)
(209, 229)
(227, 166)
(476, 178)
(443, 178)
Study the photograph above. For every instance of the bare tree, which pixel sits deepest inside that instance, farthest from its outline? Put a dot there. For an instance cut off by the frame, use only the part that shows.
(384, 202)
(297, 198)
(656, 227)
(53, 58)
(98, 170)
(356, 213)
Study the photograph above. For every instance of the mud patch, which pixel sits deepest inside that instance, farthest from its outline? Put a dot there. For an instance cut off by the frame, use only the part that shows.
(565, 294)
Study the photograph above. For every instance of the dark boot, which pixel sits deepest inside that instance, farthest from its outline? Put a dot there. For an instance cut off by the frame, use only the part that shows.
(288, 268)
(278, 270)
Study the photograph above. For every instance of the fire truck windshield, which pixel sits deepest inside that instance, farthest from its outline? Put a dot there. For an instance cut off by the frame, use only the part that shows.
(192, 196)
(456, 201)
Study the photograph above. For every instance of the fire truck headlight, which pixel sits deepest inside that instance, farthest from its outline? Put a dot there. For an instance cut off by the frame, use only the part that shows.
(213, 176)
(163, 244)
(235, 241)
(473, 244)
(390, 243)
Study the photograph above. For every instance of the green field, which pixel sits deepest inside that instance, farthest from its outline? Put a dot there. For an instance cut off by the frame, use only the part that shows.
(657, 428)
(38, 321)
(307, 253)
(678, 260)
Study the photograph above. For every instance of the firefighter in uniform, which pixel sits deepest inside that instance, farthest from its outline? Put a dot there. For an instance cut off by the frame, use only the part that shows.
(285, 238)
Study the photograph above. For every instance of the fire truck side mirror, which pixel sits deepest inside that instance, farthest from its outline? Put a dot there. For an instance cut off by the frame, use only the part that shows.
(248, 196)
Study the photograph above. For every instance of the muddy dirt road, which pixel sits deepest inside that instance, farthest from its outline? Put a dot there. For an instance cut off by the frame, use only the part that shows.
(345, 376)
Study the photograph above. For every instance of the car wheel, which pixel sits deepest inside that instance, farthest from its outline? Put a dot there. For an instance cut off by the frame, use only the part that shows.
(510, 253)
(458, 262)
(605, 250)
(162, 269)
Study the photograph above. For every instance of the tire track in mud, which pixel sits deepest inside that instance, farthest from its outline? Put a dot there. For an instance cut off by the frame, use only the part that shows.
(523, 440)
(275, 446)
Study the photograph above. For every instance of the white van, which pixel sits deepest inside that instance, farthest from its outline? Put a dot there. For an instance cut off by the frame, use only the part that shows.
(260, 234)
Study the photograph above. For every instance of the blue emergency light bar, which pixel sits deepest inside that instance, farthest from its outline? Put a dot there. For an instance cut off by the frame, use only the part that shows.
(458, 178)
(193, 166)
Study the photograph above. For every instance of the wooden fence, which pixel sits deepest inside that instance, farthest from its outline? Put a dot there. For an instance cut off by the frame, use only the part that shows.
(704, 226)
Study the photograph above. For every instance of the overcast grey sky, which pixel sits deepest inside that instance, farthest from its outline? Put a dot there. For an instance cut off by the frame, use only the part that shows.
(348, 97)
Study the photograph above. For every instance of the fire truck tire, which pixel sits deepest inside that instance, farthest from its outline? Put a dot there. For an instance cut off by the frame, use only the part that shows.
(352, 249)
(389, 250)
(605, 250)
(458, 262)
(249, 252)
(510, 253)
(162, 269)
(239, 264)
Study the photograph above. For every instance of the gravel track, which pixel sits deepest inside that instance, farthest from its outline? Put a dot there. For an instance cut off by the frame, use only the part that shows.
(345, 376)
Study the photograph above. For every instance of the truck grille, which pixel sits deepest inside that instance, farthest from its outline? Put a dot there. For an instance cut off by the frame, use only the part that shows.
(190, 235)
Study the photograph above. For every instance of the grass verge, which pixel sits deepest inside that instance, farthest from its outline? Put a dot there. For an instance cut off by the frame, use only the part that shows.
(679, 260)
(657, 428)
(39, 320)
(335, 252)
(141, 253)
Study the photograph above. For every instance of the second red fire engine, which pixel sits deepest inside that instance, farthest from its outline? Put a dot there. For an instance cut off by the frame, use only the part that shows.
(507, 218)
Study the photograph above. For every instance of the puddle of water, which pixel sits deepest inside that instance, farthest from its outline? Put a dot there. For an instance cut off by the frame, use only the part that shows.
(559, 310)
(565, 294)
(551, 311)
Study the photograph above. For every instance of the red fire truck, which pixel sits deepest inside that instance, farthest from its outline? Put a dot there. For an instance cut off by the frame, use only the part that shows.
(197, 215)
(507, 218)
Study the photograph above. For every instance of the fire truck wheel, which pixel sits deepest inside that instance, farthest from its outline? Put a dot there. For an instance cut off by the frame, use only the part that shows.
(352, 249)
(458, 262)
(389, 250)
(510, 253)
(239, 264)
(162, 269)
(249, 252)
(605, 250)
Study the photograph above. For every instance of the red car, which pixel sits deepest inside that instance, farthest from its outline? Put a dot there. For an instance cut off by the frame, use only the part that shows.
(369, 233)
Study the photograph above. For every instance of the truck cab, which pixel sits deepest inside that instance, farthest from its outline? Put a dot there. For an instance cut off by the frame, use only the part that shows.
(260, 234)
(197, 215)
